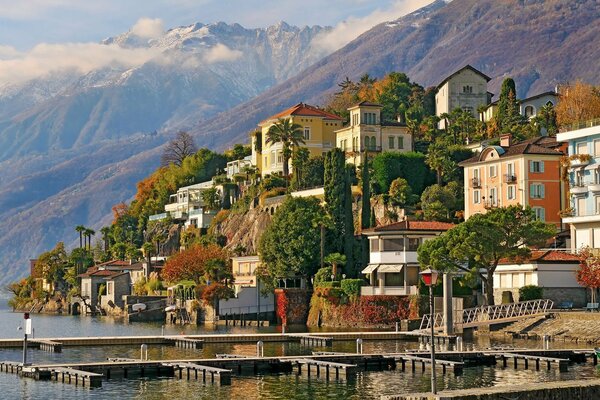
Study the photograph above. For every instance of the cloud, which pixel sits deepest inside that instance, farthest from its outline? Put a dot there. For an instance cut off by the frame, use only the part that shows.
(8, 52)
(148, 28)
(221, 53)
(348, 30)
(81, 57)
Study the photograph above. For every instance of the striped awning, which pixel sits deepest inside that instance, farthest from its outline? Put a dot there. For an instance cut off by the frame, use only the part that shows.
(383, 268)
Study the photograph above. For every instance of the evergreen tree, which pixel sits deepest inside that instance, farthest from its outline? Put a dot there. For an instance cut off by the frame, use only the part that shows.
(365, 215)
(373, 219)
(348, 226)
(509, 114)
(335, 185)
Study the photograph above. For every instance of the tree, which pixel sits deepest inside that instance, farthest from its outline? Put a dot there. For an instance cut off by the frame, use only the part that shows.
(335, 260)
(238, 152)
(289, 135)
(290, 244)
(52, 264)
(388, 166)
(400, 194)
(180, 147)
(349, 221)
(438, 203)
(588, 273)
(148, 249)
(119, 250)
(80, 229)
(509, 116)
(211, 198)
(365, 213)
(478, 244)
(335, 196)
(546, 119)
(88, 233)
(197, 264)
(300, 158)
(579, 102)
(105, 230)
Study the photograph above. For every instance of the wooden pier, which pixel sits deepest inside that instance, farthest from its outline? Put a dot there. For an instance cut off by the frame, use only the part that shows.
(325, 369)
(403, 359)
(187, 343)
(45, 345)
(561, 363)
(314, 340)
(208, 374)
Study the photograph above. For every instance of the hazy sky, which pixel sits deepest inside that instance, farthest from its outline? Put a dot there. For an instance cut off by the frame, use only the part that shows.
(25, 23)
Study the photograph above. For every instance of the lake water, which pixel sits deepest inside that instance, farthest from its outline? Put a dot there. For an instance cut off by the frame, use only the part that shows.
(368, 385)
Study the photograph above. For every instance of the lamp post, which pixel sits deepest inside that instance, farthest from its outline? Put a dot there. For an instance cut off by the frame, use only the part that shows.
(430, 277)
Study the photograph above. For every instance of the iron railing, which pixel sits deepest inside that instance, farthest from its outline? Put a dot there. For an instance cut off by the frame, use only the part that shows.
(486, 314)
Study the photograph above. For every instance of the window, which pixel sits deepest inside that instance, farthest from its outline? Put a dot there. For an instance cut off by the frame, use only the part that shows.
(536, 191)
(579, 178)
(510, 169)
(536, 166)
(596, 148)
(540, 213)
(391, 142)
(413, 244)
(468, 89)
(505, 280)
(373, 143)
(306, 133)
(529, 111)
(476, 173)
(476, 196)
(393, 244)
(279, 158)
(581, 148)
(581, 206)
(516, 280)
(374, 244)
(528, 278)
(493, 196)
(511, 192)
(492, 171)
(367, 142)
(273, 158)
(109, 288)
(369, 118)
(400, 142)
(597, 201)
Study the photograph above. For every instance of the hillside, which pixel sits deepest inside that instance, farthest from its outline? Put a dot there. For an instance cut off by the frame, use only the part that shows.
(539, 43)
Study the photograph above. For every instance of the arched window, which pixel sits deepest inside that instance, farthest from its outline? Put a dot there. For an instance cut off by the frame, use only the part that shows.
(373, 143)
(529, 111)
(367, 143)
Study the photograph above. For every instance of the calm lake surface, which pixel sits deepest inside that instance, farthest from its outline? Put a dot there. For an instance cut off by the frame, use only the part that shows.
(369, 385)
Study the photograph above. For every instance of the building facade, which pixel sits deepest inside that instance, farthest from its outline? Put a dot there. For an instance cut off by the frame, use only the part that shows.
(583, 212)
(393, 269)
(318, 129)
(525, 173)
(554, 271)
(465, 89)
(367, 133)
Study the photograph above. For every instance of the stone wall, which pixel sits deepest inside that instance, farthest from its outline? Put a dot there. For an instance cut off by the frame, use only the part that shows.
(562, 390)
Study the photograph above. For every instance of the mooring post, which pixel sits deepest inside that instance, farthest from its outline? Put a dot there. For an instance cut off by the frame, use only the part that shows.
(260, 351)
(359, 346)
(546, 342)
(162, 330)
(459, 344)
(144, 352)
(397, 330)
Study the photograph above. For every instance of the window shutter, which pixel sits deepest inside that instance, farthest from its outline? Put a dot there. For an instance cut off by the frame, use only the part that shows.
(543, 214)
(541, 166)
(532, 190)
(542, 190)
(530, 166)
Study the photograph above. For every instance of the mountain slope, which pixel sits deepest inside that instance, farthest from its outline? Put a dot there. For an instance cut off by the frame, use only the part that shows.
(540, 43)
(535, 42)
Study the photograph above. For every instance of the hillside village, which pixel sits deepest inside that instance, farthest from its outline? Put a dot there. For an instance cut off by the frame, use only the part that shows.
(327, 214)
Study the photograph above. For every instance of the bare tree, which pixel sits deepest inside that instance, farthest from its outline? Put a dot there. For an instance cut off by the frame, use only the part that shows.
(177, 149)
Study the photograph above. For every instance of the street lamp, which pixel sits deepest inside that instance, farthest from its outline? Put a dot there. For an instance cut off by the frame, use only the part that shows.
(430, 277)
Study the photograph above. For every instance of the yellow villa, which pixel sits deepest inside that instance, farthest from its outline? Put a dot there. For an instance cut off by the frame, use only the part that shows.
(319, 135)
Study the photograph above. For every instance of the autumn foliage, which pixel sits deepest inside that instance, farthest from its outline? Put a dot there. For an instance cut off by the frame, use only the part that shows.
(588, 274)
(194, 263)
(579, 102)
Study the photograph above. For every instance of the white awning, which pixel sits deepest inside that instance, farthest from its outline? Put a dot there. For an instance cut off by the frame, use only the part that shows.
(383, 268)
(390, 268)
(370, 268)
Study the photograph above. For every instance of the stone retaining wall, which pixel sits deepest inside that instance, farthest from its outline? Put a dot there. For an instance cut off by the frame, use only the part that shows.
(562, 390)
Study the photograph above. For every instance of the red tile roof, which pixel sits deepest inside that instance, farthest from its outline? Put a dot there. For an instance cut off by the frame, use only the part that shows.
(544, 256)
(540, 145)
(413, 226)
(302, 109)
(114, 263)
(102, 272)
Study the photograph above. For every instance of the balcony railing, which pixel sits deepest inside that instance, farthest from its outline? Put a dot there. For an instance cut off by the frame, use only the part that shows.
(510, 178)
(491, 203)
(475, 183)
(581, 125)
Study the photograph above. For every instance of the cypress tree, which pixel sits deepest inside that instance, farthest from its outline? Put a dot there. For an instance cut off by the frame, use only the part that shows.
(373, 219)
(335, 185)
(348, 226)
(365, 215)
(509, 112)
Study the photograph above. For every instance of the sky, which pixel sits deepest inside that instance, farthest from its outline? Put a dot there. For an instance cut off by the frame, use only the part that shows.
(37, 34)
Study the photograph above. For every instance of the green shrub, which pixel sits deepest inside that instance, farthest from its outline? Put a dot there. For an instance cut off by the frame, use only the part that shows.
(329, 284)
(322, 275)
(530, 292)
(351, 287)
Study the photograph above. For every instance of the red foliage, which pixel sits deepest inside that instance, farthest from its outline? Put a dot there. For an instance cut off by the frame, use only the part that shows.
(282, 302)
(588, 274)
(216, 291)
(190, 263)
(376, 310)
(119, 210)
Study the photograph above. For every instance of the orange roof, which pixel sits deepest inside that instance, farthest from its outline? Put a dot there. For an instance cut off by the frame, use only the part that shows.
(408, 225)
(102, 272)
(115, 263)
(541, 256)
(303, 110)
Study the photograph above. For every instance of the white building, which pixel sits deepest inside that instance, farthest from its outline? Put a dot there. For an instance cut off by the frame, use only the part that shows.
(554, 271)
(393, 268)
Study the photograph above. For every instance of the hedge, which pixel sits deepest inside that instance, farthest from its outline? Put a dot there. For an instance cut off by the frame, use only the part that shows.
(530, 292)
(351, 287)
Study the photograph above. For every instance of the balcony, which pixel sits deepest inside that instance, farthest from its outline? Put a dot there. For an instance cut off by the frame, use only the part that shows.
(579, 188)
(490, 203)
(157, 217)
(510, 178)
(594, 187)
(582, 161)
(180, 215)
(475, 183)
(388, 290)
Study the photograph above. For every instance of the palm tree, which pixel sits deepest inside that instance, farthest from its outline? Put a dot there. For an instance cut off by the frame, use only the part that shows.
(80, 229)
(289, 135)
(148, 249)
(481, 111)
(335, 259)
(105, 231)
(89, 233)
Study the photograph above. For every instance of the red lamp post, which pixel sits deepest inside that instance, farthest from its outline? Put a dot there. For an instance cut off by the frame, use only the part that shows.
(430, 277)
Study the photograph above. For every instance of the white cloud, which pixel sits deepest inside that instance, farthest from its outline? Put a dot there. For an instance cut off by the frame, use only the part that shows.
(81, 57)
(221, 53)
(346, 31)
(8, 52)
(148, 28)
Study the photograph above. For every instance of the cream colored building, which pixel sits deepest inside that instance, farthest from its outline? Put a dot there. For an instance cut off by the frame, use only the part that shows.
(465, 89)
(318, 128)
(368, 133)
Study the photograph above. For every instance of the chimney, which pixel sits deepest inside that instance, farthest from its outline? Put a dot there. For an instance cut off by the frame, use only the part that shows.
(506, 140)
